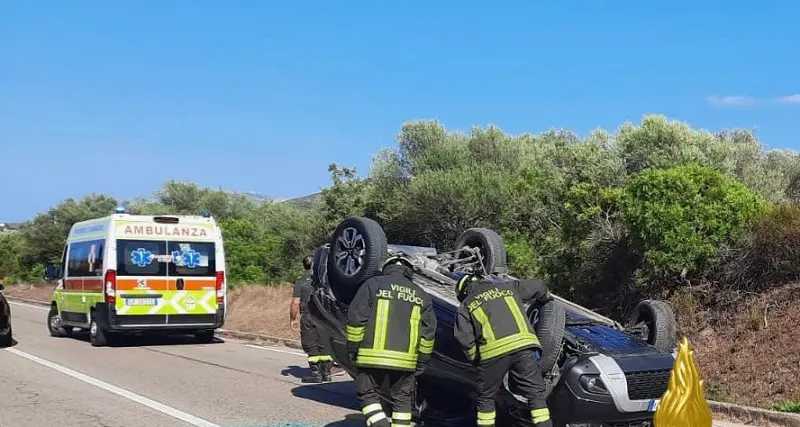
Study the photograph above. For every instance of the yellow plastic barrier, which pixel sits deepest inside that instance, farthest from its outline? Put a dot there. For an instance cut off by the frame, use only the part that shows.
(684, 404)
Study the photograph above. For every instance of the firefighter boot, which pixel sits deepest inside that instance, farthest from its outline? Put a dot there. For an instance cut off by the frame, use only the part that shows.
(325, 370)
(316, 374)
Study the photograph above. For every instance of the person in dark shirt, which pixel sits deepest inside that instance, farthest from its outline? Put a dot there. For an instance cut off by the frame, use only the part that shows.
(319, 361)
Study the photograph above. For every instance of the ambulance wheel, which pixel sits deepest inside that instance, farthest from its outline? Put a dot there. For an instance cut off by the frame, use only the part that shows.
(54, 324)
(491, 246)
(99, 337)
(357, 251)
(204, 337)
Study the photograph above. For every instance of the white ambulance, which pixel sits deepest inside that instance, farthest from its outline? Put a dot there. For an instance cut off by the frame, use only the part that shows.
(140, 273)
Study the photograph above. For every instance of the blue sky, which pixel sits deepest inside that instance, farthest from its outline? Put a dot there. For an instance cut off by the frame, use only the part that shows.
(259, 95)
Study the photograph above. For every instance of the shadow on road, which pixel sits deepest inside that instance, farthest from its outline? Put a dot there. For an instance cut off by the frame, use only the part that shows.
(351, 420)
(296, 371)
(150, 339)
(13, 343)
(339, 393)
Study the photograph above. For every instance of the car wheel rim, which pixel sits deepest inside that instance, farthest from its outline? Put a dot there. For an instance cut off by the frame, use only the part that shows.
(349, 251)
(93, 329)
(55, 321)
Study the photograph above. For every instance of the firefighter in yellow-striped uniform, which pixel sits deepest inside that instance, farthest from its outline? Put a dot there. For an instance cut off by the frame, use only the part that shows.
(497, 336)
(390, 337)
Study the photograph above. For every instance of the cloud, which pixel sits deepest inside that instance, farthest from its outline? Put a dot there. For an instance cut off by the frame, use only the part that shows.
(789, 99)
(731, 101)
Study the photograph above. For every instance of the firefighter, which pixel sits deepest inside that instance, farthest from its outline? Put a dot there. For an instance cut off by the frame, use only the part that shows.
(320, 363)
(390, 336)
(497, 336)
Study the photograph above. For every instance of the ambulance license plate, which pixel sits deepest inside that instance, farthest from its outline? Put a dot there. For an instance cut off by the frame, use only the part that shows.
(653, 405)
(140, 301)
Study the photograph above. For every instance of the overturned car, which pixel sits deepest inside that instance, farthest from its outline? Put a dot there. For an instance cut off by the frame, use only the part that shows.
(597, 371)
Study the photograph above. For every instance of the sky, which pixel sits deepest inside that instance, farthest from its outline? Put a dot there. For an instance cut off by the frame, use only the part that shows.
(259, 95)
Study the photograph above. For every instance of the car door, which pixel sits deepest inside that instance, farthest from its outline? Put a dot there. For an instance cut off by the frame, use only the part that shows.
(191, 281)
(72, 306)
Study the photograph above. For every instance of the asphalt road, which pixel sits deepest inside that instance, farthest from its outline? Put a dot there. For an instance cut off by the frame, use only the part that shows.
(46, 381)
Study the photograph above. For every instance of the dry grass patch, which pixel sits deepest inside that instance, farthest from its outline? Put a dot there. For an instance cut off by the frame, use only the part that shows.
(39, 292)
(750, 354)
(260, 310)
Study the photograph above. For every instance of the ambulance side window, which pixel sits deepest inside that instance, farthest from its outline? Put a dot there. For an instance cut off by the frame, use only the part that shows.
(64, 262)
(86, 259)
(75, 264)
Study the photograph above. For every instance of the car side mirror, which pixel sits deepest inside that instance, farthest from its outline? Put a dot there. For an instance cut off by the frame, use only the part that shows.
(52, 272)
(2, 287)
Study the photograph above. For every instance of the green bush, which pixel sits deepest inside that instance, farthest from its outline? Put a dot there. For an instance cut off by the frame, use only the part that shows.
(678, 218)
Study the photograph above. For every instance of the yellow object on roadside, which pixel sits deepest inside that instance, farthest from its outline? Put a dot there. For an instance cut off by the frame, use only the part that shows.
(684, 404)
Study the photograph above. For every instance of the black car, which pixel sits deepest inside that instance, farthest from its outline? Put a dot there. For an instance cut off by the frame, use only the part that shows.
(6, 335)
(597, 371)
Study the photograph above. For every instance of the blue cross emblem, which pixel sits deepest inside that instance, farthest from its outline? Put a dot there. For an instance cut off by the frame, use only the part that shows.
(190, 258)
(141, 257)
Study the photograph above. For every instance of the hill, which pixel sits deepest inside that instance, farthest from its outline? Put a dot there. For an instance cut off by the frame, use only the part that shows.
(305, 202)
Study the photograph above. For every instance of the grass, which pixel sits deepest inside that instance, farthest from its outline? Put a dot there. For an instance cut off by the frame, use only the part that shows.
(787, 406)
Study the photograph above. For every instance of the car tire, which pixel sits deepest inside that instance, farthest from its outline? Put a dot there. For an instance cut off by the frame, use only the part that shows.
(99, 337)
(552, 322)
(7, 340)
(549, 322)
(493, 250)
(54, 325)
(659, 319)
(361, 241)
(319, 266)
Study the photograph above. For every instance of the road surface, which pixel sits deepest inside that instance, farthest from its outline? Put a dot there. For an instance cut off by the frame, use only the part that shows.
(46, 381)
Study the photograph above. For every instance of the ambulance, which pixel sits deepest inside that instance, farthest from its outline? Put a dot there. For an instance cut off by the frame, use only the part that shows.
(125, 273)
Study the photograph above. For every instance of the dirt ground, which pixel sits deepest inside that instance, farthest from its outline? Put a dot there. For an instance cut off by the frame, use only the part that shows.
(749, 355)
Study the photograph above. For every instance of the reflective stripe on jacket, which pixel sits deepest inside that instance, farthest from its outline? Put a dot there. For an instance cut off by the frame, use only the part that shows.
(490, 322)
(391, 321)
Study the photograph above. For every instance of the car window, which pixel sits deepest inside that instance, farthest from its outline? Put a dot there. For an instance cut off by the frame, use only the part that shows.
(85, 259)
(192, 259)
(142, 258)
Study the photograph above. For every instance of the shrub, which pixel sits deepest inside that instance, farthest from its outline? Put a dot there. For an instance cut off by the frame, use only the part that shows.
(767, 255)
(679, 217)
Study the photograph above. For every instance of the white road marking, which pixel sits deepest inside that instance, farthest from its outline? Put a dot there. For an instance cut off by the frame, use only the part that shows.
(22, 304)
(168, 410)
(277, 350)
